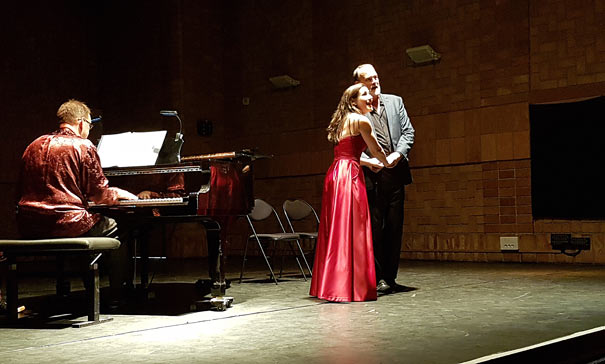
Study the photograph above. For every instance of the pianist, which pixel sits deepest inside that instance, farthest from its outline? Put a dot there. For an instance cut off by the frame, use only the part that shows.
(61, 172)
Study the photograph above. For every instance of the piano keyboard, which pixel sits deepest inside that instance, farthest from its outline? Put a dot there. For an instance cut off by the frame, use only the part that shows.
(146, 202)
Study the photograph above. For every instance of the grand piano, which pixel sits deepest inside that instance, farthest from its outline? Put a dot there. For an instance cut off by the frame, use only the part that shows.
(212, 189)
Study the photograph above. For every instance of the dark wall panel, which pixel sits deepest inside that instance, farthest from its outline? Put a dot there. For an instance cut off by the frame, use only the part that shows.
(567, 158)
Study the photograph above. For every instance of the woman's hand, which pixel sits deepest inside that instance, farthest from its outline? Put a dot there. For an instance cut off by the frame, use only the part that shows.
(373, 163)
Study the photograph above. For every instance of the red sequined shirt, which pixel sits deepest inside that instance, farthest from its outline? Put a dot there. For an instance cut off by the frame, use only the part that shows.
(60, 173)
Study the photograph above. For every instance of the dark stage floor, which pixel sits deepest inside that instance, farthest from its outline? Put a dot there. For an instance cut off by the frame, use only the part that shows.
(459, 312)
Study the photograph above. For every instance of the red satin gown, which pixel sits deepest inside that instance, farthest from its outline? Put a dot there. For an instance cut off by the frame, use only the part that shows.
(344, 257)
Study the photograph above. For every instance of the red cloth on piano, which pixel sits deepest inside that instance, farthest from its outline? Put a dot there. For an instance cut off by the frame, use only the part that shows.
(344, 267)
(60, 173)
(226, 193)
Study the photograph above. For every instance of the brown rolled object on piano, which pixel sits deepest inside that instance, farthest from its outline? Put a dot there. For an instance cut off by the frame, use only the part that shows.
(193, 158)
(246, 153)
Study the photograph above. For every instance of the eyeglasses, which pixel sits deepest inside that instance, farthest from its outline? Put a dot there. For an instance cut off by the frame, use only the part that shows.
(90, 124)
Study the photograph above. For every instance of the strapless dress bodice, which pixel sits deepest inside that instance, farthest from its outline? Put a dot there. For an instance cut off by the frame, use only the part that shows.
(350, 148)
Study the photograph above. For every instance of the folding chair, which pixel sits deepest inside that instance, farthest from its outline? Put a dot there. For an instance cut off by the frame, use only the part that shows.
(262, 211)
(299, 210)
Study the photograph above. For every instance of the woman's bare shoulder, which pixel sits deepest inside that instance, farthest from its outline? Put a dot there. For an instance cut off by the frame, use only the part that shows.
(358, 118)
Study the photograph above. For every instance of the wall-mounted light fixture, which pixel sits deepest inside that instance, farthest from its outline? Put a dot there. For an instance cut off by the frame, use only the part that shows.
(283, 81)
(423, 54)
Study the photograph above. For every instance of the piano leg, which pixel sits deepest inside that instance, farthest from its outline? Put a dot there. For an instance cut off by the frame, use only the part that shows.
(214, 233)
(215, 260)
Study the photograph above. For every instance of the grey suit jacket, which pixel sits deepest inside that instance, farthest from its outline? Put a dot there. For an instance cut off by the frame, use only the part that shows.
(402, 133)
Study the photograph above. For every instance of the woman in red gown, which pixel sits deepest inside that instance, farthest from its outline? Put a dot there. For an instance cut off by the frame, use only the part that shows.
(344, 270)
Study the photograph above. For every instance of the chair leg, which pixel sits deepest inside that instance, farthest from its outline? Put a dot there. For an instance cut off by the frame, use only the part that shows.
(304, 258)
(92, 293)
(241, 274)
(93, 297)
(297, 260)
(266, 260)
(283, 257)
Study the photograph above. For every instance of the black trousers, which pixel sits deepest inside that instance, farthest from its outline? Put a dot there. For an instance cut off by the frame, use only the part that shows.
(117, 262)
(386, 195)
(106, 227)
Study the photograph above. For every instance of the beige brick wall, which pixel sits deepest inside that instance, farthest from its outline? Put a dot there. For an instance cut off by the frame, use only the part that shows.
(471, 160)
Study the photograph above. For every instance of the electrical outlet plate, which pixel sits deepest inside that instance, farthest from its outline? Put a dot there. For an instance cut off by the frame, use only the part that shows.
(509, 243)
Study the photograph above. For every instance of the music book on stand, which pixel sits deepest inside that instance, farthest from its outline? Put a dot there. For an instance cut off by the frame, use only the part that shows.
(130, 149)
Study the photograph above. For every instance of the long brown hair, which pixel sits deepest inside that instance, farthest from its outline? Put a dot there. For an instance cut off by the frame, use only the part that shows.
(345, 107)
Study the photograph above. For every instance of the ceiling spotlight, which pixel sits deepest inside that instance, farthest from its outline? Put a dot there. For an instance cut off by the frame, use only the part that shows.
(423, 54)
(283, 81)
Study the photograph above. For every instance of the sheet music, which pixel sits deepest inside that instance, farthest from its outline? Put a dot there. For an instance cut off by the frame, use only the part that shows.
(130, 149)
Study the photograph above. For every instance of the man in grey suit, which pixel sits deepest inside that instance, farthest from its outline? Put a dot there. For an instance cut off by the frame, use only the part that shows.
(386, 187)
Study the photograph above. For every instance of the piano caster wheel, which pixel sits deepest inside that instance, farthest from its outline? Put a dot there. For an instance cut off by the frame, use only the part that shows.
(221, 303)
(215, 303)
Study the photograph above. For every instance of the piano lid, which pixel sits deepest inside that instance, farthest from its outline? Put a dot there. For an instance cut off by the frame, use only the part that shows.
(171, 150)
(158, 169)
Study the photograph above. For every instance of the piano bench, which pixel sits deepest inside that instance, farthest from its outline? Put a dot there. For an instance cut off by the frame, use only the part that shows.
(91, 246)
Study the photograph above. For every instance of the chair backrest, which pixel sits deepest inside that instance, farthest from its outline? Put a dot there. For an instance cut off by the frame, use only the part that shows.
(261, 211)
(295, 210)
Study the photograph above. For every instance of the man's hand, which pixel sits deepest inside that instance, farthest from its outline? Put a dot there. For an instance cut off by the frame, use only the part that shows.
(393, 159)
(145, 195)
(124, 195)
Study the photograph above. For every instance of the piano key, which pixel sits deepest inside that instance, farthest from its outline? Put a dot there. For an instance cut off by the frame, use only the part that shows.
(146, 202)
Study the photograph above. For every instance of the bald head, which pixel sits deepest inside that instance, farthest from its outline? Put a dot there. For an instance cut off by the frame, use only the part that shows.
(366, 74)
(72, 110)
(75, 115)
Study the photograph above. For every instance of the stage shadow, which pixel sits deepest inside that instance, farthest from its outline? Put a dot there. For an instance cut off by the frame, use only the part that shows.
(50, 311)
(165, 299)
(284, 277)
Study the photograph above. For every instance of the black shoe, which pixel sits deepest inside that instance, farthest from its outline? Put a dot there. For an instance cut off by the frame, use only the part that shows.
(383, 287)
(400, 288)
